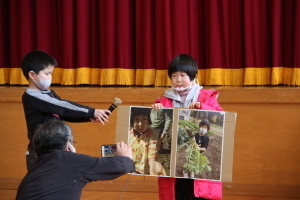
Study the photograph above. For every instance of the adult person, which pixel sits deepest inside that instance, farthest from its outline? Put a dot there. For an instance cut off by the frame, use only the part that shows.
(60, 173)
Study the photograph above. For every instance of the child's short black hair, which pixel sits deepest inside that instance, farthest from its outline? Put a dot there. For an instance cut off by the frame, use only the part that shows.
(184, 63)
(135, 111)
(36, 61)
(205, 122)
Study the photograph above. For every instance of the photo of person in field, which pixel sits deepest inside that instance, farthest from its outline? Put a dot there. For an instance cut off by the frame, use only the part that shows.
(199, 144)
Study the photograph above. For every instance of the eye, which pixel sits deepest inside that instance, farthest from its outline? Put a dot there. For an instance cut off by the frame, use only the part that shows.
(48, 73)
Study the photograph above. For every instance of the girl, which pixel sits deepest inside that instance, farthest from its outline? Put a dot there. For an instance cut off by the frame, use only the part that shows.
(186, 93)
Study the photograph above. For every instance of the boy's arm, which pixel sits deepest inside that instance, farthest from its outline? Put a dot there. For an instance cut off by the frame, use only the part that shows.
(100, 115)
(66, 110)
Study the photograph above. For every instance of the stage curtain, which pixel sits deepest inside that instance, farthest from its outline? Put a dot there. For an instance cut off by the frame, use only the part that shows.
(131, 42)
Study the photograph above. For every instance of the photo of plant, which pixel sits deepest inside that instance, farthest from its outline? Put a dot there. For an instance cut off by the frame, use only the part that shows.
(199, 144)
(179, 142)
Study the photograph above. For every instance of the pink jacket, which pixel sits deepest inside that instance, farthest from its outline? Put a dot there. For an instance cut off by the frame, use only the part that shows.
(202, 188)
(207, 98)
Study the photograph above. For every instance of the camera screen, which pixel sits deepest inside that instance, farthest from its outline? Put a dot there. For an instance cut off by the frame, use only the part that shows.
(109, 150)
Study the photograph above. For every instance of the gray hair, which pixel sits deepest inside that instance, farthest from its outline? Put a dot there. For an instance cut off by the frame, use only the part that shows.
(50, 136)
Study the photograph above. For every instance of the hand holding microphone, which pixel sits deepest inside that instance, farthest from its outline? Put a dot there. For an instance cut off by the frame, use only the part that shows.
(102, 115)
(114, 104)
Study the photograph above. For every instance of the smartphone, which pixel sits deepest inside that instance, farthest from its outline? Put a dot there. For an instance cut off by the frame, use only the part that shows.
(109, 150)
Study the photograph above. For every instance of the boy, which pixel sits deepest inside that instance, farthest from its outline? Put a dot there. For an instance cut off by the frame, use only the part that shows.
(201, 138)
(42, 104)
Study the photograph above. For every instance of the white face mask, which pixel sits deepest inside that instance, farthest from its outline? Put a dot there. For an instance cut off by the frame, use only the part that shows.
(203, 130)
(43, 84)
(183, 88)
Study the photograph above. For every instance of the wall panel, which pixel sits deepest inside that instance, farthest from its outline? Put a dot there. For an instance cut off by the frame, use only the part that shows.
(266, 139)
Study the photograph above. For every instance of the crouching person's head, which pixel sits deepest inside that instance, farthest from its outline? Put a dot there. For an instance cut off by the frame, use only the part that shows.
(51, 136)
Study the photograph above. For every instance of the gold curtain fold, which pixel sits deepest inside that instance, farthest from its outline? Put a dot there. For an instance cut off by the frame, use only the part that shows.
(152, 77)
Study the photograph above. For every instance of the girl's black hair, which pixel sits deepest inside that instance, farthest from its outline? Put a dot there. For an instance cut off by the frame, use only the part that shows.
(135, 111)
(184, 63)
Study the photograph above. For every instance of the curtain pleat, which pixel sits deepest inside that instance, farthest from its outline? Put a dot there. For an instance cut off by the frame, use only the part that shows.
(128, 42)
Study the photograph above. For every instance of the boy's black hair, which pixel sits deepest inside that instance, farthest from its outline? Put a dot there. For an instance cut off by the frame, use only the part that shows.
(36, 61)
(205, 122)
(51, 136)
(135, 111)
(184, 63)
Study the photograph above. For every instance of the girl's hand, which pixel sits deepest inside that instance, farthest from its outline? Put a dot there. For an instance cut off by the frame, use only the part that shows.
(157, 106)
(195, 105)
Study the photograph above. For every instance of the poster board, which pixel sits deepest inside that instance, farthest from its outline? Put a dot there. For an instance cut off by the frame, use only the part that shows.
(170, 139)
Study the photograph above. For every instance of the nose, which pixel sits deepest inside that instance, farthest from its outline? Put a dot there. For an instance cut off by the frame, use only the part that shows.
(140, 123)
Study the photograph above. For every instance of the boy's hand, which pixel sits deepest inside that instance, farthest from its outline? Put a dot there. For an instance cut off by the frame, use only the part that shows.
(101, 115)
(94, 120)
(124, 150)
(157, 106)
(195, 105)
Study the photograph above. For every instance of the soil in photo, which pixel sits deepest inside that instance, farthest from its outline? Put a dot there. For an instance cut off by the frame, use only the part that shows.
(213, 154)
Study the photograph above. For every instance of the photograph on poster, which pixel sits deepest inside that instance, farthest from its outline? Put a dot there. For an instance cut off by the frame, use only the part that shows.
(179, 142)
(199, 144)
(150, 133)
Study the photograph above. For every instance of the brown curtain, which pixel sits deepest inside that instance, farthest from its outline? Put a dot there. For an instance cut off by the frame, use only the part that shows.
(131, 42)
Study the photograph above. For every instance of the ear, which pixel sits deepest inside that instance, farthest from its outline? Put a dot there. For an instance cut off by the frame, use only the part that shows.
(31, 75)
(69, 147)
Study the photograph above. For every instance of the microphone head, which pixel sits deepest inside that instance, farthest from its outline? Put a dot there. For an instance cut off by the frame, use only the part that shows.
(116, 102)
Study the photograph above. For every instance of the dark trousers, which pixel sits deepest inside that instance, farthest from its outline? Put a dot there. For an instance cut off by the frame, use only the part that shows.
(184, 190)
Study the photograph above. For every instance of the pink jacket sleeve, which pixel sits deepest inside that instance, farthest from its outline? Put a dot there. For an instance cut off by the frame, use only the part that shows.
(166, 102)
(208, 100)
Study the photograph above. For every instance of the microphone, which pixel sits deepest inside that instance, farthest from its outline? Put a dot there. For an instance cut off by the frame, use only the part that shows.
(114, 104)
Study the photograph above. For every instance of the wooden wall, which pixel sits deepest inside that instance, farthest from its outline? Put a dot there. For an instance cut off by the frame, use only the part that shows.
(267, 138)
